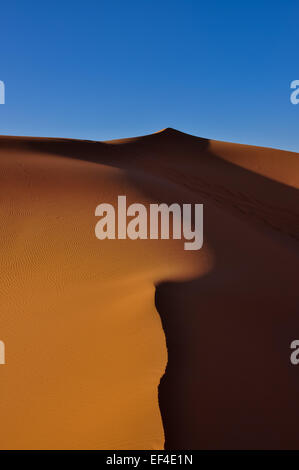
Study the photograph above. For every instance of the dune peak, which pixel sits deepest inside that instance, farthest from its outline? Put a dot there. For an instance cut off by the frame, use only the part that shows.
(170, 131)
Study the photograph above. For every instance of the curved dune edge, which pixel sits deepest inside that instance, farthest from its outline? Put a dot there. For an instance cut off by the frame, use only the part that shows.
(85, 347)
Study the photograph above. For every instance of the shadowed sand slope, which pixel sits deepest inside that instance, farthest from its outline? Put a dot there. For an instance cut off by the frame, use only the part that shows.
(82, 318)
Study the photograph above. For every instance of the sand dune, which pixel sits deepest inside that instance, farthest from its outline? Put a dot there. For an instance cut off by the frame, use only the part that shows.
(86, 322)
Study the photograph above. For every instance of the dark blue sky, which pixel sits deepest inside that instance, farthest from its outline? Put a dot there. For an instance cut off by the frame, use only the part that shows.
(107, 69)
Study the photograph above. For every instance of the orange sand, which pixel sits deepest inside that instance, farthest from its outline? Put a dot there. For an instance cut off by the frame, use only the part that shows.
(85, 347)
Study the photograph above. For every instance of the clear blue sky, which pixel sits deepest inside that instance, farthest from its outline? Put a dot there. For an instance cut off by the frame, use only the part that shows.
(108, 69)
